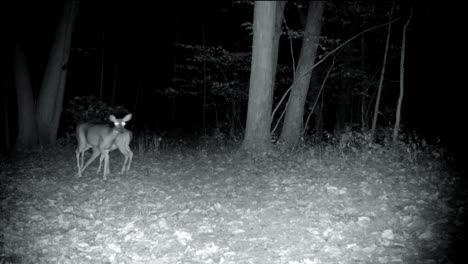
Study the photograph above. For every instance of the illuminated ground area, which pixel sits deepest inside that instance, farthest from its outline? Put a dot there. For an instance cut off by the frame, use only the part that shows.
(198, 206)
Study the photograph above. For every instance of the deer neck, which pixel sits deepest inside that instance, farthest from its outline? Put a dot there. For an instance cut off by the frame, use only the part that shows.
(109, 140)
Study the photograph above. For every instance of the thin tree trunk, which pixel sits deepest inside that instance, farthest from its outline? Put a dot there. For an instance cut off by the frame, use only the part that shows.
(379, 91)
(205, 85)
(294, 118)
(276, 37)
(279, 19)
(101, 81)
(396, 128)
(115, 83)
(232, 120)
(291, 50)
(319, 118)
(342, 106)
(27, 130)
(343, 103)
(318, 96)
(49, 105)
(5, 144)
(262, 76)
(173, 110)
(174, 71)
(364, 92)
(137, 99)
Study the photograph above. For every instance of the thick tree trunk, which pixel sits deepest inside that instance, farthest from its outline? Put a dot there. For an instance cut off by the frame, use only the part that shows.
(49, 105)
(27, 130)
(293, 121)
(262, 76)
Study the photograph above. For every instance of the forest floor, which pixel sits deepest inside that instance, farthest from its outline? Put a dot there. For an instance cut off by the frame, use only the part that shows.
(195, 205)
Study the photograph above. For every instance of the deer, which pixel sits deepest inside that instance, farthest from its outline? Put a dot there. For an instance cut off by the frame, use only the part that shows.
(122, 143)
(103, 139)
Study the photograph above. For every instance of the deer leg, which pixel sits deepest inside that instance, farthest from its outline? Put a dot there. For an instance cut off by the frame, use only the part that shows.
(78, 155)
(128, 154)
(80, 151)
(107, 163)
(125, 161)
(91, 159)
(82, 158)
(130, 160)
(105, 156)
(101, 158)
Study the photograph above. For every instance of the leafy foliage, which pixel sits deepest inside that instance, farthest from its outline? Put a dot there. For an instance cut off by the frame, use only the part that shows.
(227, 72)
(82, 109)
(91, 109)
(220, 75)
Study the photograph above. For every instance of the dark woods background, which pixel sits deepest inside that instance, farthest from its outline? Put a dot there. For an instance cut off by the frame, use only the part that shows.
(146, 58)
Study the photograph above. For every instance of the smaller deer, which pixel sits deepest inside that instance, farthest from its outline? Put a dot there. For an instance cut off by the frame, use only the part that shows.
(103, 139)
(122, 142)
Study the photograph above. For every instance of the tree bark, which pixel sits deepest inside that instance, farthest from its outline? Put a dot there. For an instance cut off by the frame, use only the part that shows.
(101, 73)
(276, 37)
(294, 118)
(342, 102)
(205, 84)
(49, 105)
(5, 143)
(396, 128)
(267, 19)
(382, 75)
(27, 130)
(115, 83)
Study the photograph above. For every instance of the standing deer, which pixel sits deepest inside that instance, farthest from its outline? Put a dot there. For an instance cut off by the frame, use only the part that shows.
(122, 142)
(103, 139)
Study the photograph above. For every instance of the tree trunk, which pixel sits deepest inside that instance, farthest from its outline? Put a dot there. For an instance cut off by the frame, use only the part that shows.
(276, 37)
(49, 105)
(138, 94)
(293, 121)
(27, 130)
(267, 17)
(232, 121)
(174, 71)
(5, 142)
(382, 75)
(343, 102)
(173, 110)
(205, 84)
(101, 74)
(319, 120)
(396, 128)
(115, 82)
(363, 94)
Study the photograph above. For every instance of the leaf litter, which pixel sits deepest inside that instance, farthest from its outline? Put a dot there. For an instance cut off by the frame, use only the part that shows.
(217, 207)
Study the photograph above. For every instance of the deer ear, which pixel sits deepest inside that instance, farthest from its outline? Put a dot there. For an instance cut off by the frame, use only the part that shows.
(127, 117)
(112, 118)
